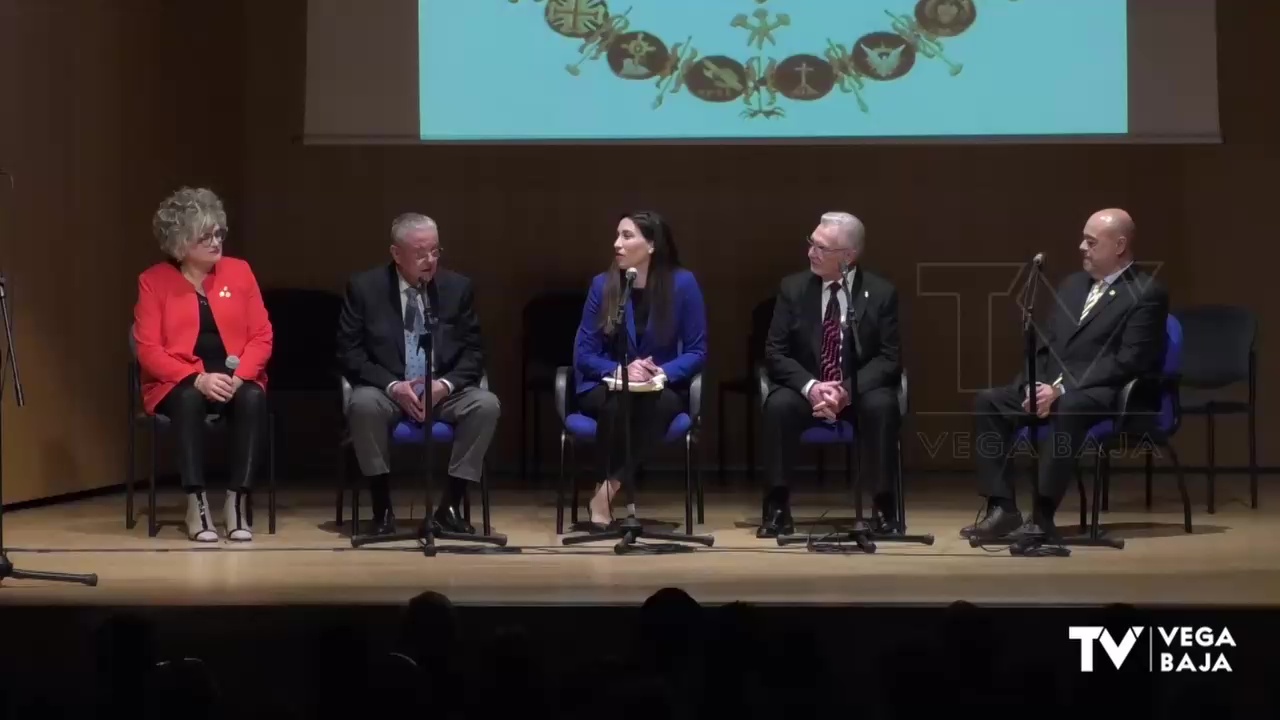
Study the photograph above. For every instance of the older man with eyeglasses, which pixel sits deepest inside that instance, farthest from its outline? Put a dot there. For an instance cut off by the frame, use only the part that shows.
(805, 357)
(385, 311)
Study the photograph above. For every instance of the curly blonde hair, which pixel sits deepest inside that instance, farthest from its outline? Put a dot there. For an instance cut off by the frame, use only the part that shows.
(184, 216)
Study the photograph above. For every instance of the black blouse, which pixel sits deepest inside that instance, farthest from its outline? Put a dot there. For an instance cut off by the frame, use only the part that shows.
(209, 347)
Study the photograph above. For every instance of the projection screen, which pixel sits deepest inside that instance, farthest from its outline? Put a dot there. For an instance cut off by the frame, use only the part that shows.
(816, 71)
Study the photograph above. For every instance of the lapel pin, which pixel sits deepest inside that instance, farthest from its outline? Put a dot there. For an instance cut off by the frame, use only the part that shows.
(866, 293)
(224, 293)
(1112, 293)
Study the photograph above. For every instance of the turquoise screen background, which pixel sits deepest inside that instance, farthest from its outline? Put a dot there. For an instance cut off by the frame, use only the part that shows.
(497, 70)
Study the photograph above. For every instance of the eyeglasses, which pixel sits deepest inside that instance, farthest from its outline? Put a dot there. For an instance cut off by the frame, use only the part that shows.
(821, 250)
(218, 236)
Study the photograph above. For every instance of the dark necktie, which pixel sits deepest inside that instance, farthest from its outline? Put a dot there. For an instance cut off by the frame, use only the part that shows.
(831, 338)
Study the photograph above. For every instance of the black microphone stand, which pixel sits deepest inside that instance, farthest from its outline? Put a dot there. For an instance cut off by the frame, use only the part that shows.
(7, 570)
(861, 537)
(629, 530)
(429, 531)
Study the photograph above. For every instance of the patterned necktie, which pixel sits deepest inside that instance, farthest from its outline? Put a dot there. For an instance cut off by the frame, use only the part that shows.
(831, 338)
(415, 365)
(1094, 293)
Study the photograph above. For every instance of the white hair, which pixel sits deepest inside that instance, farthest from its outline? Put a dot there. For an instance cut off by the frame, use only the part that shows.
(851, 229)
(408, 222)
(183, 217)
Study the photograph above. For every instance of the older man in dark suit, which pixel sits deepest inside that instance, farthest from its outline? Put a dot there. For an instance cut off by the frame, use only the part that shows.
(804, 360)
(1108, 326)
(383, 316)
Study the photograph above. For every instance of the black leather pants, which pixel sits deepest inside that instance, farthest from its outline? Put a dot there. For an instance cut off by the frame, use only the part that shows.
(245, 413)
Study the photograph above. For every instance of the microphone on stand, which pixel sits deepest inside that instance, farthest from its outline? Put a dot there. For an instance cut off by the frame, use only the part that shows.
(620, 312)
(1038, 261)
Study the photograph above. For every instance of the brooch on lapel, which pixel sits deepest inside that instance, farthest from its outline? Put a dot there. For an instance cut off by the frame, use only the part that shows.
(224, 292)
(1112, 293)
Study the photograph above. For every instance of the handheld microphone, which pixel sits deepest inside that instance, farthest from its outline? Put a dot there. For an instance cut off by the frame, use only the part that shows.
(233, 362)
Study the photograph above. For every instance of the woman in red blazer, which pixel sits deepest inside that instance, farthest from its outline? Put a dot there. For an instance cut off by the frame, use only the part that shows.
(203, 340)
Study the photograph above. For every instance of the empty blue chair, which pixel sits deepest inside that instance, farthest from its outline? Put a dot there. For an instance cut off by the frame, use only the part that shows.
(843, 433)
(406, 432)
(578, 428)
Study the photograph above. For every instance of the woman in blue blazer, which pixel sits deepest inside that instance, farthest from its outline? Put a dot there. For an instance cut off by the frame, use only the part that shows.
(666, 326)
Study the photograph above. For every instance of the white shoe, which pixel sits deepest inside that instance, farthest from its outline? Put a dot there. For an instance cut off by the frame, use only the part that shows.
(236, 514)
(200, 526)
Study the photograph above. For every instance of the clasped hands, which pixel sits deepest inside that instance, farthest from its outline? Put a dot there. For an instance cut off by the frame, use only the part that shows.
(1046, 395)
(828, 399)
(408, 395)
(639, 371)
(217, 387)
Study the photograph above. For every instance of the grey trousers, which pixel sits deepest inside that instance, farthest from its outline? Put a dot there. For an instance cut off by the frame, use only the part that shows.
(473, 412)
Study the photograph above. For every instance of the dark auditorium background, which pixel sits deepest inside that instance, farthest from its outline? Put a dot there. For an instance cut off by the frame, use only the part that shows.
(108, 106)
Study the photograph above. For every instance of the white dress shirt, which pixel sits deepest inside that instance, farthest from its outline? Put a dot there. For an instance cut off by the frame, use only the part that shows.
(404, 305)
(842, 298)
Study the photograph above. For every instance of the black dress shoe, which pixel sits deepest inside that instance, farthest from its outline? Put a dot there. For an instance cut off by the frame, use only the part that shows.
(997, 524)
(384, 522)
(777, 521)
(883, 523)
(450, 519)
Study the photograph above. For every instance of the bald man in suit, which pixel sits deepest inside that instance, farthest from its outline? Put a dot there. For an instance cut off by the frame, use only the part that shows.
(1107, 327)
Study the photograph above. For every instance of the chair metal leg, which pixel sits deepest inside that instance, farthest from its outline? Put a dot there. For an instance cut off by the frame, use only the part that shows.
(560, 490)
(524, 422)
(1182, 487)
(573, 480)
(484, 501)
(1148, 472)
(721, 454)
(688, 484)
(1101, 473)
(750, 436)
(129, 475)
(153, 525)
(1084, 506)
(697, 478)
(899, 491)
(1253, 457)
(341, 483)
(1209, 455)
(271, 477)
(537, 437)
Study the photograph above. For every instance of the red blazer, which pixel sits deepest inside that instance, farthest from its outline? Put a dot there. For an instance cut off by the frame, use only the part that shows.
(166, 321)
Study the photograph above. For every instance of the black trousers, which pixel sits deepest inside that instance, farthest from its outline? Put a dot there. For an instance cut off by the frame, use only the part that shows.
(245, 413)
(651, 415)
(998, 415)
(876, 416)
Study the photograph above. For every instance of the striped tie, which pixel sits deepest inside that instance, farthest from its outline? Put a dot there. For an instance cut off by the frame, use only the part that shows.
(1094, 294)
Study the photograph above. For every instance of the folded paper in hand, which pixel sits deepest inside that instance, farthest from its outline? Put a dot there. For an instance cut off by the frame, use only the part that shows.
(655, 384)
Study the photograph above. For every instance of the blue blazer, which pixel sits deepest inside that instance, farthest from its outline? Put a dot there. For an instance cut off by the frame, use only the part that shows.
(681, 357)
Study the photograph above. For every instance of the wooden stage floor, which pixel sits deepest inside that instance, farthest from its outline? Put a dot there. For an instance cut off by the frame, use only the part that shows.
(1229, 560)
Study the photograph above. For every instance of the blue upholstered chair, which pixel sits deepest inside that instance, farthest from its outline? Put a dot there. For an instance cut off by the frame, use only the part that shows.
(1137, 423)
(157, 425)
(405, 433)
(842, 433)
(577, 428)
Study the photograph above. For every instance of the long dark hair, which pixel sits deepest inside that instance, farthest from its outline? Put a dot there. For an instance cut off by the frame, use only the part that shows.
(660, 285)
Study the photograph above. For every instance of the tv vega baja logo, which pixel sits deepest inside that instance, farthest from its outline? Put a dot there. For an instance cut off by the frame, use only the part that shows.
(1172, 649)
